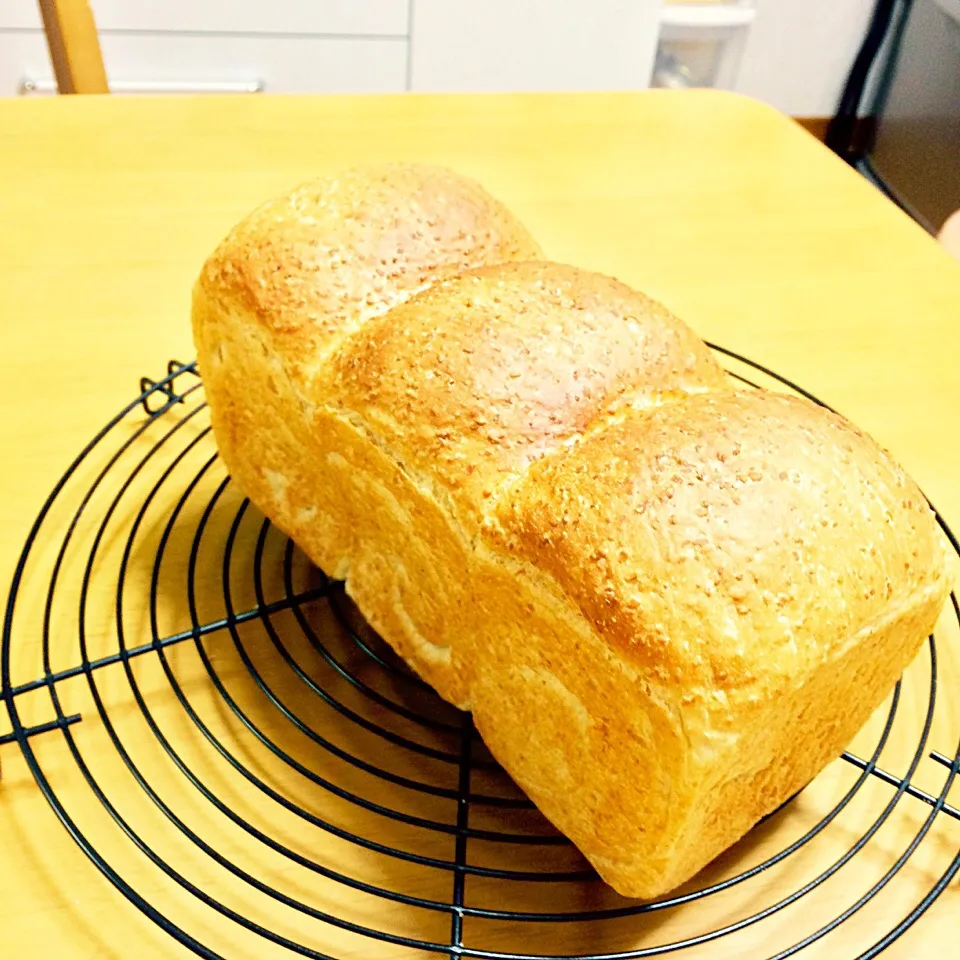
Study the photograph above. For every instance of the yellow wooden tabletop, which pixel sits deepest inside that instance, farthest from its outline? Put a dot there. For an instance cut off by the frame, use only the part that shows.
(728, 212)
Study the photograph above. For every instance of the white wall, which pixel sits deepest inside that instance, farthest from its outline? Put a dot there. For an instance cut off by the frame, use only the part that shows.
(799, 52)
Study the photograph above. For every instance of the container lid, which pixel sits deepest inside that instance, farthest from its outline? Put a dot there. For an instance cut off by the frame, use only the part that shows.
(706, 15)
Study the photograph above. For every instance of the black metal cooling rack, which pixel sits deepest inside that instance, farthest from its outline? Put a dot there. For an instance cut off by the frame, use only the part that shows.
(297, 735)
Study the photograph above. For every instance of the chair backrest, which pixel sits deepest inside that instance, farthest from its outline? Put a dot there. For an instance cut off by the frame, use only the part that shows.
(898, 121)
(74, 46)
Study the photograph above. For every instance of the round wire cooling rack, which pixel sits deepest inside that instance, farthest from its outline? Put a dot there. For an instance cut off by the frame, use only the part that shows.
(257, 773)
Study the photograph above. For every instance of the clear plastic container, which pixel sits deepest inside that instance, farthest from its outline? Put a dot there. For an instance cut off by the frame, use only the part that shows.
(701, 44)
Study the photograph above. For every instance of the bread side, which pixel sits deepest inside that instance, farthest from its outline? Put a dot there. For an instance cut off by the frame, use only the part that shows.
(607, 756)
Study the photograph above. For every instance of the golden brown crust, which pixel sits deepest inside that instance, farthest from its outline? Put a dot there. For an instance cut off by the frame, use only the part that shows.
(319, 261)
(668, 603)
(477, 377)
(744, 536)
(294, 277)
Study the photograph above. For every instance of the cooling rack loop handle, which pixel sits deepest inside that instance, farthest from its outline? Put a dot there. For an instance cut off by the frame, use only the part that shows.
(157, 396)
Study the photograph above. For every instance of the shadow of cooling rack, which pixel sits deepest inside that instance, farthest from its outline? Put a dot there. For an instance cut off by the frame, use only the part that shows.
(255, 771)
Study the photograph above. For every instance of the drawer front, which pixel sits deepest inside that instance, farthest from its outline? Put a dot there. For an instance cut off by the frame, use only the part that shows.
(177, 63)
(488, 45)
(341, 17)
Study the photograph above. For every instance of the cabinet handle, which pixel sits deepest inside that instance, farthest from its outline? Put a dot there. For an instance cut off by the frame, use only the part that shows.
(29, 85)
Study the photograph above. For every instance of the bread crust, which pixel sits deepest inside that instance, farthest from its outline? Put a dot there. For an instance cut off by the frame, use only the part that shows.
(668, 602)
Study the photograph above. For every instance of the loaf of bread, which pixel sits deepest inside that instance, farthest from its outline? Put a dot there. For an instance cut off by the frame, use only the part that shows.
(668, 602)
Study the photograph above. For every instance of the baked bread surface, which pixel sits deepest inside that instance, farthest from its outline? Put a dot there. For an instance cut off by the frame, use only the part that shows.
(668, 602)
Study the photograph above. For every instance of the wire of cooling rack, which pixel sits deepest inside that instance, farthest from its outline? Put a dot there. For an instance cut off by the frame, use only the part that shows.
(150, 464)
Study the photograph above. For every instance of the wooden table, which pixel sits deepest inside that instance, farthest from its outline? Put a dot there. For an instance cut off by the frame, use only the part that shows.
(725, 210)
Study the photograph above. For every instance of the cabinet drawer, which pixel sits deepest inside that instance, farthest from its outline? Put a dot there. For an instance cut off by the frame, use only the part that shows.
(184, 62)
(342, 17)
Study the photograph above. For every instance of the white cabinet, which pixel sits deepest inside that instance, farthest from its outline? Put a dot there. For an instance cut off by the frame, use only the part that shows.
(483, 45)
(350, 45)
(287, 46)
(178, 63)
(349, 17)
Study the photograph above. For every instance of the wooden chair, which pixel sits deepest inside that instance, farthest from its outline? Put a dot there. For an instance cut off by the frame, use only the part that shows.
(74, 46)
